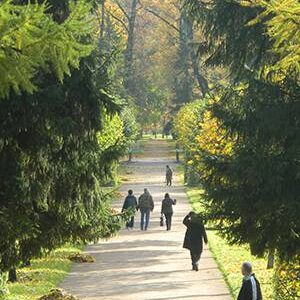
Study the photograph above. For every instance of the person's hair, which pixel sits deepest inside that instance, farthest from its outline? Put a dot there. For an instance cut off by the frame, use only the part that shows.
(145, 190)
(167, 195)
(247, 267)
(130, 192)
(167, 166)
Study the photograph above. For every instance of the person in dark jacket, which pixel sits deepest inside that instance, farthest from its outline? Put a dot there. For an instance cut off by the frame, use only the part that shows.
(130, 202)
(169, 175)
(146, 205)
(250, 289)
(194, 236)
(167, 209)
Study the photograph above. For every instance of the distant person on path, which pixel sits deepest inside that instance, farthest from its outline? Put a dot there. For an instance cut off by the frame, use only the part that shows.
(195, 233)
(167, 209)
(146, 205)
(250, 289)
(169, 175)
(130, 202)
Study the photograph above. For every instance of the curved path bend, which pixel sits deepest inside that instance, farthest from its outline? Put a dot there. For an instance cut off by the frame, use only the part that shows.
(151, 265)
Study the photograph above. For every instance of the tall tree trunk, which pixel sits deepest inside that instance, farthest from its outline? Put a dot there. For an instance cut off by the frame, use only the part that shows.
(12, 275)
(271, 258)
(201, 80)
(128, 54)
(183, 80)
(102, 25)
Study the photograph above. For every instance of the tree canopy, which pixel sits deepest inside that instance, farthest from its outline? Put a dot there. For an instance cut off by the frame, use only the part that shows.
(246, 144)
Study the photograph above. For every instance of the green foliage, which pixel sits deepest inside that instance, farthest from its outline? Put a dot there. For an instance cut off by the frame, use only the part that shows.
(52, 163)
(252, 192)
(31, 40)
(287, 274)
(3, 286)
(282, 20)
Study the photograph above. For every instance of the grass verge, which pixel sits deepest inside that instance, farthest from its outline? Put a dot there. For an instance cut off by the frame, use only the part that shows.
(43, 274)
(230, 257)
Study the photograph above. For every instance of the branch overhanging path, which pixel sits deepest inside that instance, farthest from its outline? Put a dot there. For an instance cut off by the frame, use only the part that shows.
(148, 265)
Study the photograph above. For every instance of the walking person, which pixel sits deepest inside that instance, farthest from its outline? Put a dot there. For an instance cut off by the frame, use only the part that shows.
(146, 205)
(250, 289)
(167, 209)
(194, 236)
(169, 175)
(130, 202)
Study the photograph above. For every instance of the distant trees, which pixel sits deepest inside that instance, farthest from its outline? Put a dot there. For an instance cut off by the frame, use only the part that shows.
(252, 182)
(57, 137)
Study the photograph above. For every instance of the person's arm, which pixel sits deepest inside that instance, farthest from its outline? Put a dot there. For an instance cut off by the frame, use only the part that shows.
(124, 205)
(152, 203)
(204, 235)
(245, 292)
(186, 220)
(139, 202)
(136, 203)
(259, 294)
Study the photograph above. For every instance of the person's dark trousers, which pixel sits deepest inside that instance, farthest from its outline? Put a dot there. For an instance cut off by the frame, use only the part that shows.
(130, 224)
(169, 182)
(145, 218)
(195, 257)
(168, 217)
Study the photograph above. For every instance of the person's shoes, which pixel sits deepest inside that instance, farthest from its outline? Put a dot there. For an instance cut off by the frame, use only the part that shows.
(196, 268)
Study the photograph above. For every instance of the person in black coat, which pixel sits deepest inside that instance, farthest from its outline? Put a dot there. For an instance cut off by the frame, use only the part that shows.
(167, 209)
(250, 289)
(130, 202)
(194, 236)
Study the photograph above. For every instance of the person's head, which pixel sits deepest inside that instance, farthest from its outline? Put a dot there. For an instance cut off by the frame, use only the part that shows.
(130, 192)
(167, 196)
(246, 268)
(167, 167)
(145, 190)
(196, 218)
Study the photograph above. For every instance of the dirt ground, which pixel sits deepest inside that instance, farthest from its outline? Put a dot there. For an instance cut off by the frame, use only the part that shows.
(149, 265)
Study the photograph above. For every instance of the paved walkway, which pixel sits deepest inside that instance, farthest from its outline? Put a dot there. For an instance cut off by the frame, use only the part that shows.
(148, 265)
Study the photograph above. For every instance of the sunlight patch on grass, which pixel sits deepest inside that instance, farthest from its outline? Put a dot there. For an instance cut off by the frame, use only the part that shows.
(43, 275)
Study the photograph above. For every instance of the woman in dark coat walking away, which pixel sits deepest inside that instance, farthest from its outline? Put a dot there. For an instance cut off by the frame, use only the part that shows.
(194, 236)
(167, 209)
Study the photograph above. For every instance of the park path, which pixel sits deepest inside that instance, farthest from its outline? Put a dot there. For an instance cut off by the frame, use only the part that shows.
(150, 265)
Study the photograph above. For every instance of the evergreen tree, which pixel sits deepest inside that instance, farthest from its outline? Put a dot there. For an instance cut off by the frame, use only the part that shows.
(253, 192)
(52, 163)
(31, 40)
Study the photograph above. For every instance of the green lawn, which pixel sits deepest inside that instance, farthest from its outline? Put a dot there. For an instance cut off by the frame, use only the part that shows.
(229, 258)
(43, 275)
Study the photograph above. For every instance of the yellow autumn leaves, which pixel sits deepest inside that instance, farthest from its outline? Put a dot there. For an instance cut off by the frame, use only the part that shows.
(199, 133)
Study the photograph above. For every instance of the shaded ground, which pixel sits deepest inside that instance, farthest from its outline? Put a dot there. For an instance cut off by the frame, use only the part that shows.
(148, 265)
